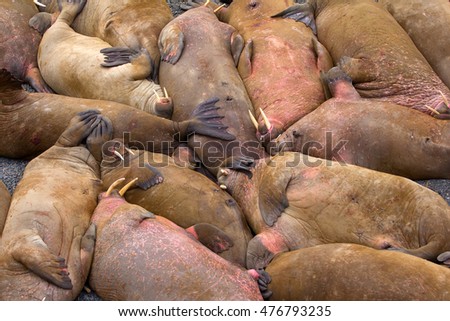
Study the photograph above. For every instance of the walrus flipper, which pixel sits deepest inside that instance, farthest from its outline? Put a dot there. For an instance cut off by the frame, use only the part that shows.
(79, 128)
(33, 253)
(211, 236)
(87, 250)
(240, 163)
(150, 176)
(444, 258)
(117, 56)
(302, 12)
(171, 43)
(205, 120)
(41, 22)
(237, 45)
(11, 91)
(263, 247)
(102, 133)
(360, 70)
(272, 197)
(263, 283)
(245, 60)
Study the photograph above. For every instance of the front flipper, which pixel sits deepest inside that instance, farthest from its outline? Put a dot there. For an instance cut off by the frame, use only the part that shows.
(102, 133)
(41, 21)
(339, 84)
(263, 247)
(142, 64)
(171, 43)
(444, 258)
(150, 177)
(211, 236)
(263, 278)
(303, 12)
(30, 250)
(272, 197)
(117, 56)
(241, 163)
(237, 45)
(206, 121)
(360, 70)
(79, 128)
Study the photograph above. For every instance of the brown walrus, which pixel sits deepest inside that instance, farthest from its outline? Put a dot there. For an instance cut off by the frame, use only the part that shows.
(280, 64)
(425, 22)
(5, 199)
(177, 193)
(375, 134)
(73, 64)
(199, 55)
(48, 241)
(346, 272)
(19, 43)
(142, 256)
(384, 62)
(294, 201)
(32, 122)
(134, 24)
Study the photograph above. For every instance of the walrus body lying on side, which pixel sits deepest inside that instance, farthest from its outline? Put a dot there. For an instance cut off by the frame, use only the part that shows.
(48, 242)
(374, 134)
(32, 122)
(142, 256)
(179, 194)
(76, 65)
(295, 201)
(345, 272)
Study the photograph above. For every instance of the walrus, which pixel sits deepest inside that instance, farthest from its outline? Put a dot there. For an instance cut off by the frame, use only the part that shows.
(134, 24)
(199, 55)
(374, 134)
(143, 256)
(425, 22)
(280, 64)
(76, 65)
(5, 199)
(352, 272)
(48, 241)
(384, 62)
(295, 201)
(32, 122)
(178, 193)
(19, 43)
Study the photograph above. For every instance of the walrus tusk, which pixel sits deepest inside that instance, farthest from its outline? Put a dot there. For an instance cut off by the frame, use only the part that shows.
(220, 7)
(39, 4)
(433, 110)
(254, 121)
(266, 120)
(222, 186)
(113, 185)
(223, 172)
(165, 93)
(206, 3)
(119, 155)
(129, 151)
(444, 98)
(157, 96)
(124, 189)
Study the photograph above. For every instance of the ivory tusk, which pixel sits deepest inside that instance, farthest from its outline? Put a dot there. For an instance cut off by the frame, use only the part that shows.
(157, 96)
(433, 110)
(254, 121)
(220, 7)
(165, 93)
(113, 185)
(222, 186)
(223, 171)
(124, 189)
(444, 98)
(119, 155)
(206, 3)
(129, 151)
(266, 120)
(39, 4)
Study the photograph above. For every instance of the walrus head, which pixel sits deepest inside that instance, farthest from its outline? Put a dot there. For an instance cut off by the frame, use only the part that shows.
(233, 167)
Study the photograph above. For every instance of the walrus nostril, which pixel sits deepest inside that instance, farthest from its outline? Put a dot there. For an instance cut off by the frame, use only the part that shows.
(229, 98)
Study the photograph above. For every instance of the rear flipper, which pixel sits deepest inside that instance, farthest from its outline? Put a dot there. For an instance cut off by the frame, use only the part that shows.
(34, 78)
(210, 236)
(142, 64)
(302, 12)
(30, 250)
(41, 21)
(339, 84)
(429, 252)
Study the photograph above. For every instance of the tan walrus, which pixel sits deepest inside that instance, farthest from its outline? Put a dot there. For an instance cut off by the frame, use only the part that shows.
(375, 134)
(384, 62)
(179, 194)
(48, 241)
(33, 122)
(295, 201)
(5, 199)
(134, 24)
(352, 272)
(19, 43)
(143, 256)
(425, 22)
(88, 67)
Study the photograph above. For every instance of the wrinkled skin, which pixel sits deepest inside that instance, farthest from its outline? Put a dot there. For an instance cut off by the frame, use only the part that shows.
(296, 201)
(142, 256)
(379, 56)
(19, 43)
(344, 272)
(5, 199)
(426, 23)
(32, 122)
(280, 64)
(48, 242)
(199, 55)
(134, 24)
(375, 134)
(179, 194)
(71, 63)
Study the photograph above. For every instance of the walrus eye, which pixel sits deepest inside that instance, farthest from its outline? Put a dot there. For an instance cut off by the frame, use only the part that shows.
(253, 4)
